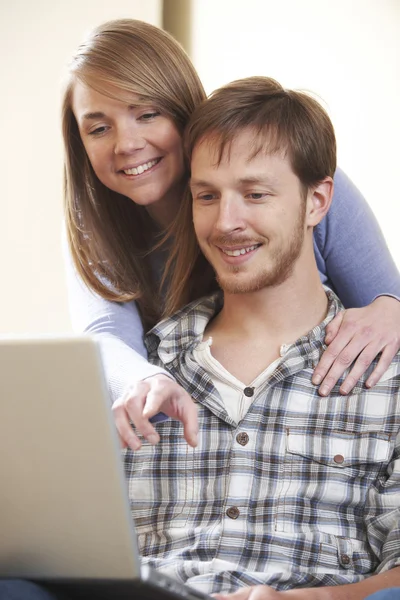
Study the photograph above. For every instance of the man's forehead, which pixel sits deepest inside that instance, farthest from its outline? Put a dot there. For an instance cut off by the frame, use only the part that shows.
(237, 175)
(248, 144)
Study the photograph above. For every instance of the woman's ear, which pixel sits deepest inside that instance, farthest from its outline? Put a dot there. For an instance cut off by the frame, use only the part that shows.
(319, 199)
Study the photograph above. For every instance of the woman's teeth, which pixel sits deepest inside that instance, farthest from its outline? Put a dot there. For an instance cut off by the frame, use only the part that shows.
(239, 252)
(142, 168)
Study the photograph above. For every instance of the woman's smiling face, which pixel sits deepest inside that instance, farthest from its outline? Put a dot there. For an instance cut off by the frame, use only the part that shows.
(133, 148)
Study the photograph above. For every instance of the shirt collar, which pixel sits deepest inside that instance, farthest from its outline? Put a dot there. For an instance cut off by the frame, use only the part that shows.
(186, 328)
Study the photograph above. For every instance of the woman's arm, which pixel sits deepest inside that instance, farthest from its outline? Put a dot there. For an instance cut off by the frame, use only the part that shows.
(351, 252)
(118, 329)
(139, 391)
(353, 260)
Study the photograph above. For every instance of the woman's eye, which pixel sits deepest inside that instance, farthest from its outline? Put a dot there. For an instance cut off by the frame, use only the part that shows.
(206, 197)
(149, 116)
(98, 130)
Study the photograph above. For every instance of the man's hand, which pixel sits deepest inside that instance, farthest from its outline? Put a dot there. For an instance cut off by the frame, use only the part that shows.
(359, 333)
(388, 580)
(256, 592)
(147, 398)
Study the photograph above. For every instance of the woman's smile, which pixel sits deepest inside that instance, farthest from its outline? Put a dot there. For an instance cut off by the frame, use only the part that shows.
(142, 168)
(134, 149)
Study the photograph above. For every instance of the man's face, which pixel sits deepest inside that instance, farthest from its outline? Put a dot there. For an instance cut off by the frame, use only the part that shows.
(248, 214)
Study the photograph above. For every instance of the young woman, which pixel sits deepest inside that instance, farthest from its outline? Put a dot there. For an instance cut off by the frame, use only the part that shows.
(130, 92)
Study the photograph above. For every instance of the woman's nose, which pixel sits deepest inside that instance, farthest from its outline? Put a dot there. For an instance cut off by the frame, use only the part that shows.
(129, 141)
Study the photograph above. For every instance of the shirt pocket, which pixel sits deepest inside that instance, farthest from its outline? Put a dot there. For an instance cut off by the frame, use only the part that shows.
(345, 554)
(160, 480)
(325, 480)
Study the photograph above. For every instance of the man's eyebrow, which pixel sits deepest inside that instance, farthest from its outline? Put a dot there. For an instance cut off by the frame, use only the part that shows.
(263, 179)
(254, 179)
(199, 183)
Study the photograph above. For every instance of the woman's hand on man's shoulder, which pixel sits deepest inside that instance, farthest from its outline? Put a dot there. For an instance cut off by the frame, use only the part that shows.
(355, 337)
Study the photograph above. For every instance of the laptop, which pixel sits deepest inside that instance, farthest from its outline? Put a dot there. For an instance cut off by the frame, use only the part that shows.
(64, 510)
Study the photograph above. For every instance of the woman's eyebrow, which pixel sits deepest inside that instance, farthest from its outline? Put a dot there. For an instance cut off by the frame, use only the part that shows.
(90, 116)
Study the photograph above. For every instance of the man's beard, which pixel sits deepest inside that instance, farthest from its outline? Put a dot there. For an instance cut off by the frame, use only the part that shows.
(281, 264)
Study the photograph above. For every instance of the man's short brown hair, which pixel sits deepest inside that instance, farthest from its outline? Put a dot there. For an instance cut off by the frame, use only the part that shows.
(284, 121)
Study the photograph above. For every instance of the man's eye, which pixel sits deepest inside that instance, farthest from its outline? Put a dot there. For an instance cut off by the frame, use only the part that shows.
(256, 196)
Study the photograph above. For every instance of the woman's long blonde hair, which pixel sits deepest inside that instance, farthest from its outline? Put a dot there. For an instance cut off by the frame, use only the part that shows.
(110, 237)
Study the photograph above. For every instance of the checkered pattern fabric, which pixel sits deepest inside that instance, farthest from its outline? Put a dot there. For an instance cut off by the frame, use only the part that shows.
(310, 496)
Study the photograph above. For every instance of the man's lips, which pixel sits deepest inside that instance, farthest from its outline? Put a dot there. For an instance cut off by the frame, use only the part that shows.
(238, 250)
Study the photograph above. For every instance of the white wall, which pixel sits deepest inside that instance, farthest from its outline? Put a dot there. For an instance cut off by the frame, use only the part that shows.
(346, 51)
(36, 41)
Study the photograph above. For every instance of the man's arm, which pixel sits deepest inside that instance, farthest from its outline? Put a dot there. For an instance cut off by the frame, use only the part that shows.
(352, 591)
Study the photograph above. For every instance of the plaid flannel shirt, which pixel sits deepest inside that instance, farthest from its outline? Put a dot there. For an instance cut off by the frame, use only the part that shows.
(304, 491)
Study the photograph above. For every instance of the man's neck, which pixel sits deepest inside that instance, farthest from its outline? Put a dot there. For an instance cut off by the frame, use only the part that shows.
(286, 312)
(254, 326)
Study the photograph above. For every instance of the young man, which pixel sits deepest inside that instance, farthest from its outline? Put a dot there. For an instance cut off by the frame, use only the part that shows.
(287, 493)
(285, 488)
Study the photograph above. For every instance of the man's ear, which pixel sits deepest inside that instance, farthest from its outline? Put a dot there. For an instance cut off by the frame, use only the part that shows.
(319, 199)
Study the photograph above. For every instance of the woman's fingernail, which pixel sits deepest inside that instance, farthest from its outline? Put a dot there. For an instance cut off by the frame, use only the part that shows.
(324, 390)
(153, 438)
(344, 390)
(317, 379)
(193, 440)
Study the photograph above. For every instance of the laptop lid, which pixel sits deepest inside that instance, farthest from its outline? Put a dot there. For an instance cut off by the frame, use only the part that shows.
(64, 510)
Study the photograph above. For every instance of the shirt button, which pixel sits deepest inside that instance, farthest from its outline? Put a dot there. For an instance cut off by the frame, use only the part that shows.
(345, 558)
(338, 459)
(233, 512)
(248, 391)
(242, 438)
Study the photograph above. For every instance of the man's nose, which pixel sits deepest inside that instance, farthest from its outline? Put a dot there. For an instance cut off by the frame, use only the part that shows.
(230, 215)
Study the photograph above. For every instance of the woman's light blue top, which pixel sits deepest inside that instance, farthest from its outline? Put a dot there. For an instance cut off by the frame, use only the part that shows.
(352, 259)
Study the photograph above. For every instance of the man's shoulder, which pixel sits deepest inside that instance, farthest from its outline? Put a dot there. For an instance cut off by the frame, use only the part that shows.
(392, 373)
(185, 325)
